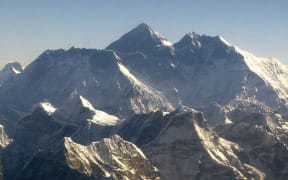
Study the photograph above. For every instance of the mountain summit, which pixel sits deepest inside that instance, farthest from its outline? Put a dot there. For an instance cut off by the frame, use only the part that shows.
(201, 69)
(142, 38)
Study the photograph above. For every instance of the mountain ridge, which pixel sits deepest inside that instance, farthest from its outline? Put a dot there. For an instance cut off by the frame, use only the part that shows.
(144, 108)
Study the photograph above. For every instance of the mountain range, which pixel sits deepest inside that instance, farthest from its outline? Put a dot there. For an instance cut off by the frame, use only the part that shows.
(145, 108)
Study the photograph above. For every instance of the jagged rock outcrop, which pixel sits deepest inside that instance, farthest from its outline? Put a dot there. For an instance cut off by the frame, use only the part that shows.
(4, 141)
(113, 157)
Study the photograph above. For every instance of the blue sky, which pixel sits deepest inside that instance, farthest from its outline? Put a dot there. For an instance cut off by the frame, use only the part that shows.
(29, 27)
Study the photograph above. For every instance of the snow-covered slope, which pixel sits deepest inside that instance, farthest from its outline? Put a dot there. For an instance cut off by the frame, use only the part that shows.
(200, 70)
(271, 70)
(262, 79)
(98, 75)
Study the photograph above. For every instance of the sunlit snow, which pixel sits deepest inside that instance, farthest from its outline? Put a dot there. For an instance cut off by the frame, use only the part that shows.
(48, 107)
(100, 117)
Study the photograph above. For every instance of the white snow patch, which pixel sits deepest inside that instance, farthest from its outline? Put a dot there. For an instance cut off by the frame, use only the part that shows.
(285, 126)
(210, 147)
(165, 113)
(15, 71)
(222, 151)
(228, 121)
(175, 90)
(4, 139)
(164, 41)
(100, 117)
(118, 85)
(48, 107)
(84, 83)
(137, 103)
(224, 41)
(172, 65)
(127, 73)
(133, 79)
(103, 118)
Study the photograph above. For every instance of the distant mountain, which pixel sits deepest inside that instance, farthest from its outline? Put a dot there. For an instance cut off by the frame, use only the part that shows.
(98, 75)
(145, 108)
(199, 70)
(10, 70)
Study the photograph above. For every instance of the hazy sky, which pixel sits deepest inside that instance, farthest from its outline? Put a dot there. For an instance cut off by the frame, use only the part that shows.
(28, 27)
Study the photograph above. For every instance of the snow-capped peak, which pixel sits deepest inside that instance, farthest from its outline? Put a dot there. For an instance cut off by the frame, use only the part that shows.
(9, 71)
(197, 40)
(142, 38)
(144, 27)
(193, 35)
(14, 67)
(189, 39)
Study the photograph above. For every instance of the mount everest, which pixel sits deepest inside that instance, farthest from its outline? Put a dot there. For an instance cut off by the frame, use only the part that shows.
(145, 108)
